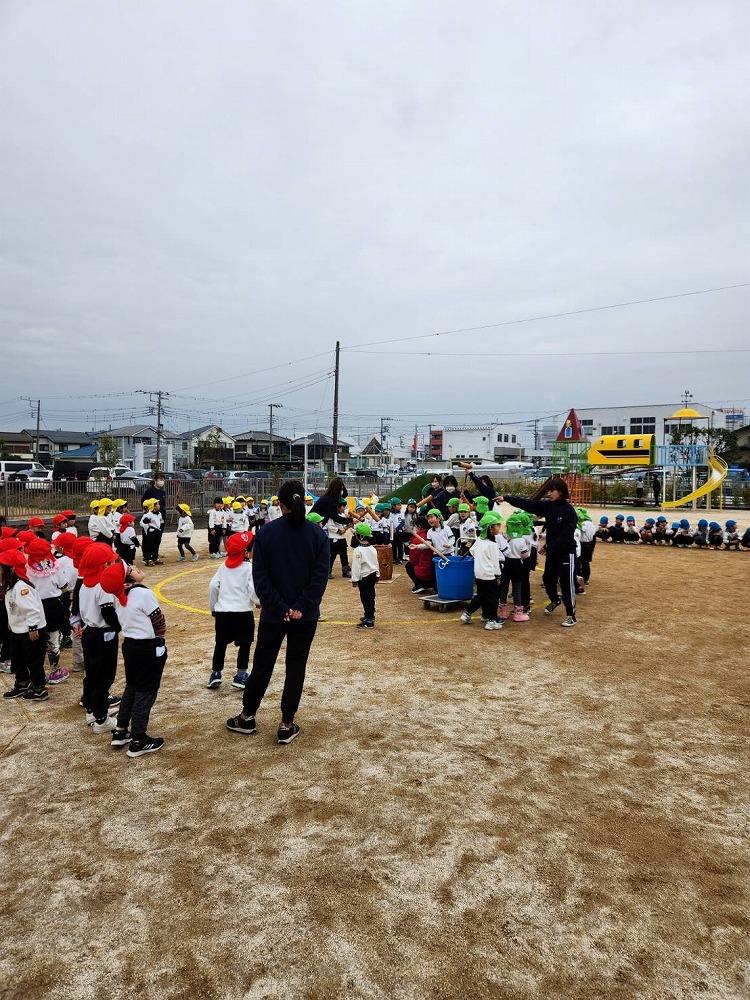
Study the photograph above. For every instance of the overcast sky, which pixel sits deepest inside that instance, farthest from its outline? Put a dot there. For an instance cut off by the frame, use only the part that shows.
(195, 191)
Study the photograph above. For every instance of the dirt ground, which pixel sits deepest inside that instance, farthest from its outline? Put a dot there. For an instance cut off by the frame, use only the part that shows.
(531, 813)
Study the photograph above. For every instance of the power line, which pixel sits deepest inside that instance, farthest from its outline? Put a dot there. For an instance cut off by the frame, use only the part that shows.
(553, 354)
(546, 316)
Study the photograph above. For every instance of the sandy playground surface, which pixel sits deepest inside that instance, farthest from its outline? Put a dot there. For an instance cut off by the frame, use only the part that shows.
(532, 813)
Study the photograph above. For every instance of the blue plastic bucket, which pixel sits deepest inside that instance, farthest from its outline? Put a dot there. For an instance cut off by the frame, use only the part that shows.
(455, 578)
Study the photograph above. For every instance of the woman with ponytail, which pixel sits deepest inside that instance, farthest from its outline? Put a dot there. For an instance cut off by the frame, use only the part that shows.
(290, 572)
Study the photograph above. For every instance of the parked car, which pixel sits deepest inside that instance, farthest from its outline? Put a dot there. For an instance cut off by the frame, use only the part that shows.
(101, 475)
(11, 469)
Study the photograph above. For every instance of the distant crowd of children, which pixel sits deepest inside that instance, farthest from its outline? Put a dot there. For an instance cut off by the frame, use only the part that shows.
(659, 531)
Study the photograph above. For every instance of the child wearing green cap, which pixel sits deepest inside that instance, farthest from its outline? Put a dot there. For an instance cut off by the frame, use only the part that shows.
(515, 567)
(487, 573)
(365, 573)
(464, 526)
(588, 542)
(440, 537)
(398, 534)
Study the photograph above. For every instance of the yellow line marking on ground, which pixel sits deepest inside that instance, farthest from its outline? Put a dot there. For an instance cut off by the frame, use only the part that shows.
(163, 599)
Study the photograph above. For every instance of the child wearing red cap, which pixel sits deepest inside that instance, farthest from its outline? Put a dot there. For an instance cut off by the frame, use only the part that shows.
(80, 545)
(126, 540)
(36, 525)
(6, 544)
(231, 596)
(59, 525)
(70, 524)
(99, 639)
(27, 626)
(43, 573)
(63, 552)
(144, 653)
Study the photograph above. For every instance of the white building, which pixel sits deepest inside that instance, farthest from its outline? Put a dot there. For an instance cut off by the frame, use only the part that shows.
(487, 443)
(650, 419)
(220, 445)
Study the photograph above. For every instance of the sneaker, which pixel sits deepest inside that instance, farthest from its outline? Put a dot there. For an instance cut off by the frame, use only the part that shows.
(366, 623)
(145, 744)
(465, 618)
(6, 667)
(17, 691)
(180, 558)
(240, 679)
(502, 613)
(90, 718)
(66, 643)
(330, 576)
(286, 735)
(120, 737)
(346, 573)
(491, 626)
(58, 676)
(239, 725)
(108, 726)
(36, 694)
(214, 680)
(569, 622)
(551, 606)
(519, 615)
(195, 558)
(419, 590)
(113, 701)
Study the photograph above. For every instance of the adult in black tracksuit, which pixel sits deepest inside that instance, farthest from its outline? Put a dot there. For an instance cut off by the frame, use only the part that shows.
(290, 574)
(561, 520)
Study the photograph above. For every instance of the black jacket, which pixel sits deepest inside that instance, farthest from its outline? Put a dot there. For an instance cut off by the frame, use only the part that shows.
(290, 569)
(327, 507)
(560, 521)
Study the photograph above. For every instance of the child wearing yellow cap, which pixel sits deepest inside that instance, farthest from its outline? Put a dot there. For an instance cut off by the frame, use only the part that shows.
(151, 524)
(185, 528)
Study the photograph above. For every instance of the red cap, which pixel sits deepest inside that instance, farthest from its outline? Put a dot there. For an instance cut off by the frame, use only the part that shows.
(16, 559)
(7, 532)
(38, 550)
(126, 520)
(59, 519)
(26, 536)
(80, 545)
(8, 544)
(94, 559)
(65, 542)
(237, 546)
(69, 513)
(35, 522)
(112, 581)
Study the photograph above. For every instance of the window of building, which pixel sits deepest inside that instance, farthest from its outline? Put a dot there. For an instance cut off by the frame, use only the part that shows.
(184, 445)
(499, 438)
(513, 438)
(587, 423)
(643, 425)
(613, 430)
(505, 438)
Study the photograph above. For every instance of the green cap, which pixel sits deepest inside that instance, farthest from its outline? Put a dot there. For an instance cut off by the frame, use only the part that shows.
(411, 500)
(464, 508)
(436, 512)
(315, 518)
(583, 515)
(517, 526)
(487, 521)
(481, 502)
(363, 530)
(453, 502)
(396, 500)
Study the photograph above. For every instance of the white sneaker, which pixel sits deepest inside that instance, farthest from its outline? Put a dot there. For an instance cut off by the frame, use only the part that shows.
(195, 557)
(90, 718)
(5, 667)
(493, 626)
(465, 618)
(108, 726)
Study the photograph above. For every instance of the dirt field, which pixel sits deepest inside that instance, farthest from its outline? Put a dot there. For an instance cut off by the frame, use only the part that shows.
(532, 813)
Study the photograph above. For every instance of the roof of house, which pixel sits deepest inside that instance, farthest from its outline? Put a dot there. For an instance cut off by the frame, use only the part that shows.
(259, 436)
(373, 447)
(62, 437)
(196, 432)
(20, 436)
(133, 430)
(321, 441)
(86, 451)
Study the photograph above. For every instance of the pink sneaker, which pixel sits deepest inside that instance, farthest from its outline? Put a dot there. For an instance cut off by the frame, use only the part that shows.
(519, 615)
(503, 613)
(58, 676)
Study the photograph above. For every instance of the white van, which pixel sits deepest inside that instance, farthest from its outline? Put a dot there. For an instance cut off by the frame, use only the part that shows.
(21, 471)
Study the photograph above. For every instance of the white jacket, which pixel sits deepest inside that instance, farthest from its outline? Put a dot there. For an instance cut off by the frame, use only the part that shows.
(24, 607)
(364, 562)
(486, 555)
(99, 525)
(185, 527)
(232, 589)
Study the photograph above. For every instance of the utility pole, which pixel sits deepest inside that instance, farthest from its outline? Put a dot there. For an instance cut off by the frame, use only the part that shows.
(38, 419)
(336, 411)
(536, 433)
(271, 408)
(158, 396)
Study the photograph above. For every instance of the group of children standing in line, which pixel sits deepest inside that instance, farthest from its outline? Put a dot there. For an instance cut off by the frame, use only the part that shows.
(658, 531)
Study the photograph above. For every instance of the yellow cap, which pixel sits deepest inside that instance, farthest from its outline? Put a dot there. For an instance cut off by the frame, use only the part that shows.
(185, 508)
(251, 499)
(150, 503)
(237, 505)
(274, 499)
(118, 503)
(105, 502)
(94, 504)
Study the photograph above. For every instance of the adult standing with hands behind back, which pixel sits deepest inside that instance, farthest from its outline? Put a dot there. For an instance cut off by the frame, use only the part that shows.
(291, 562)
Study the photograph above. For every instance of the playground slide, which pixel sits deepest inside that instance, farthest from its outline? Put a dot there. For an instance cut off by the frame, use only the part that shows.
(718, 469)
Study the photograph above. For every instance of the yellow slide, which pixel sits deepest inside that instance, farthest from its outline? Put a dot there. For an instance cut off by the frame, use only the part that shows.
(718, 469)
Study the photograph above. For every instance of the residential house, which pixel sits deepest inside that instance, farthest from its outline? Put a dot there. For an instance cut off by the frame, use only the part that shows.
(52, 444)
(18, 444)
(320, 452)
(137, 444)
(208, 445)
(251, 450)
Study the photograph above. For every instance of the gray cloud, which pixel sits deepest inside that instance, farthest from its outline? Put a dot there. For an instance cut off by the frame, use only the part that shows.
(193, 190)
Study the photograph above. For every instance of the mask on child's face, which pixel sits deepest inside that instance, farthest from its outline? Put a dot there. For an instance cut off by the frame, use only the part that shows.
(450, 489)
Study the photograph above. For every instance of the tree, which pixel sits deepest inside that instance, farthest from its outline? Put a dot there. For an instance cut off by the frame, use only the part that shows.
(208, 449)
(108, 451)
(723, 442)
